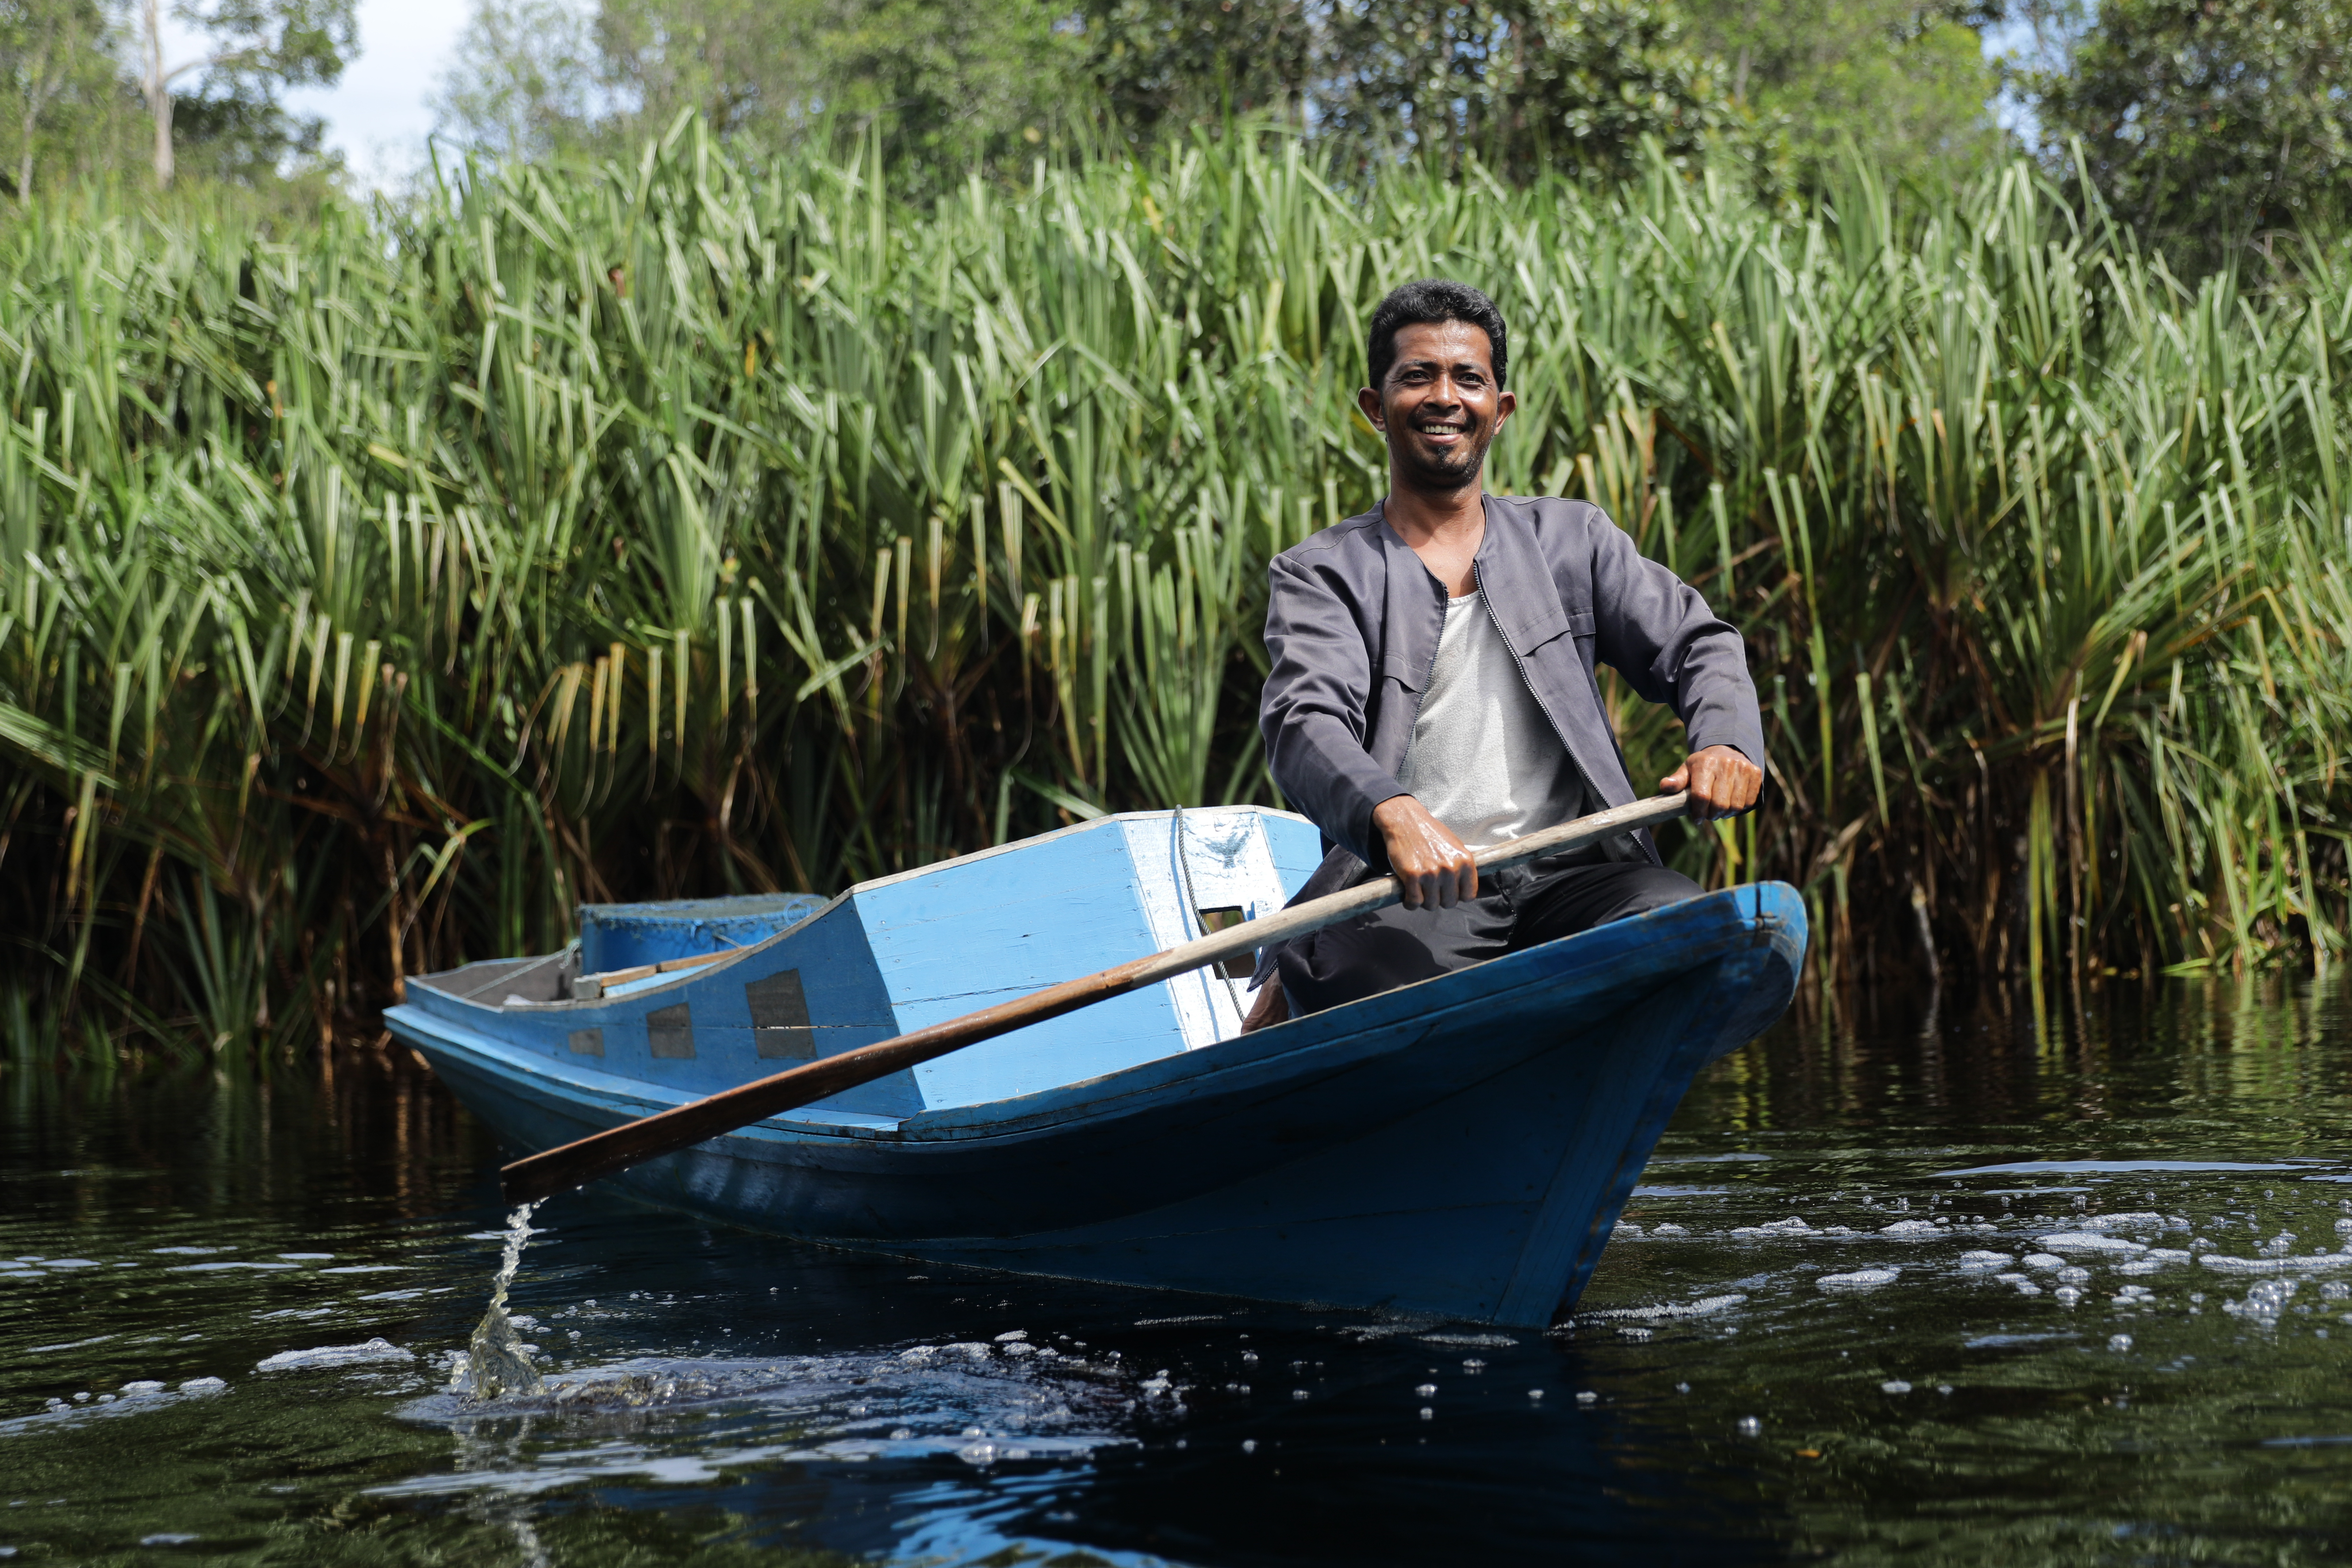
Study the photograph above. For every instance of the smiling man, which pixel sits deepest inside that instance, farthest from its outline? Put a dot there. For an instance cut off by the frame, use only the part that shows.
(1433, 692)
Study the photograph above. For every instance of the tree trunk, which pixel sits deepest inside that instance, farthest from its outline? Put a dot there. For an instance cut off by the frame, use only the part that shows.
(37, 92)
(159, 103)
(158, 89)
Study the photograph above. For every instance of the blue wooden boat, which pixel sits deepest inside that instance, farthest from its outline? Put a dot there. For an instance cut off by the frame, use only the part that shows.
(1459, 1147)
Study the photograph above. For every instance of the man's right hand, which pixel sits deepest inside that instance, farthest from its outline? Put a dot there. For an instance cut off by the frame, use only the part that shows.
(1435, 868)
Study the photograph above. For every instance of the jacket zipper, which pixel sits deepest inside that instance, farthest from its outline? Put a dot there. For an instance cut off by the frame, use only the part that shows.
(1584, 780)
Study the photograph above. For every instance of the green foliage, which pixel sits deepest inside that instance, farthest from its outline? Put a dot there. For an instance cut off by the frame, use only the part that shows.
(57, 85)
(88, 98)
(253, 49)
(242, 136)
(1167, 65)
(1528, 84)
(949, 85)
(957, 83)
(2211, 122)
(526, 86)
(289, 43)
(1907, 83)
(696, 524)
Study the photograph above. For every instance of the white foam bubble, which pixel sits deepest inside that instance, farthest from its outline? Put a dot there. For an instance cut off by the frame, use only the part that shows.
(1910, 1227)
(2265, 1301)
(1473, 1340)
(1977, 1260)
(1699, 1307)
(1860, 1279)
(2087, 1241)
(1792, 1225)
(2221, 1263)
(376, 1349)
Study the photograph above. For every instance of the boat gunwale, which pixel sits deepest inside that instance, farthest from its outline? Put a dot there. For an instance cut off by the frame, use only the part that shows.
(1241, 1051)
(1022, 1117)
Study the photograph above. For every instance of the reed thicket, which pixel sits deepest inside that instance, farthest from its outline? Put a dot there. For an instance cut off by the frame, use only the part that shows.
(375, 593)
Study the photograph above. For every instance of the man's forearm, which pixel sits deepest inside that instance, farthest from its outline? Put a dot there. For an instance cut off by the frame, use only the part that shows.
(1671, 646)
(1325, 774)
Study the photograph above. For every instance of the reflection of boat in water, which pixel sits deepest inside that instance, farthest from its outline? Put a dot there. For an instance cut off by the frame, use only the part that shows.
(1461, 1146)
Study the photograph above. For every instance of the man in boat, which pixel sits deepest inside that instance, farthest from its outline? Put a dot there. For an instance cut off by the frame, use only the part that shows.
(1432, 688)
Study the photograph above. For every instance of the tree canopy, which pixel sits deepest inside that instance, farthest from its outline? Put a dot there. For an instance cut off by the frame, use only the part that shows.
(2208, 123)
(89, 89)
(1905, 82)
(946, 85)
(1524, 83)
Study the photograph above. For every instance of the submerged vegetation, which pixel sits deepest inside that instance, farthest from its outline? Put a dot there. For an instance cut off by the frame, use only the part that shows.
(375, 593)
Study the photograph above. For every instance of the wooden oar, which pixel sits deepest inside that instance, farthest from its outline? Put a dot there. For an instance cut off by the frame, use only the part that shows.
(633, 1142)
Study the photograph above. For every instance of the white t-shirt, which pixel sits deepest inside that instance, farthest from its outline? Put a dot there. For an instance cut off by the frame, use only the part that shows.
(1484, 759)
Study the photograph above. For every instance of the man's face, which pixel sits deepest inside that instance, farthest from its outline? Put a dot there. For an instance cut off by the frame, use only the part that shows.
(1439, 405)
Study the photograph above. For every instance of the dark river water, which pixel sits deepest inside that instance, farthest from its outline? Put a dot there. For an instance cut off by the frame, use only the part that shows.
(1903, 1289)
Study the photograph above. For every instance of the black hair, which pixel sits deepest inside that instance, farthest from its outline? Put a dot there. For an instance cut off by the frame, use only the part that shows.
(1431, 299)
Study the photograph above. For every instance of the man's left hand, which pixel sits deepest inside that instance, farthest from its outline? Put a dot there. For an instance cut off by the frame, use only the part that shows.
(1721, 782)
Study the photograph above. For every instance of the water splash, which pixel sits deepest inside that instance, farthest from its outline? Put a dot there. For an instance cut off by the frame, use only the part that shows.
(497, 1362)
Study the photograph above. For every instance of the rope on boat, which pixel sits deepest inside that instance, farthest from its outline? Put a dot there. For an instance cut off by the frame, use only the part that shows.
(1193, 918)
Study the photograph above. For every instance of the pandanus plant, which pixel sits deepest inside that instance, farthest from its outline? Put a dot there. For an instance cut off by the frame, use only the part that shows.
(376, 591)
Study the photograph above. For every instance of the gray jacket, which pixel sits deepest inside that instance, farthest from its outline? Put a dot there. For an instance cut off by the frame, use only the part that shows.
(1353, 622)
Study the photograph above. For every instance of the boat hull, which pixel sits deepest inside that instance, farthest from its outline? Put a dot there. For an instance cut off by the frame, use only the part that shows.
(1460, 1147)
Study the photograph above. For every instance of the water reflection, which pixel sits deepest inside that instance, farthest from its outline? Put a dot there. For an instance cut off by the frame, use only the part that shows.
(1952, 1293)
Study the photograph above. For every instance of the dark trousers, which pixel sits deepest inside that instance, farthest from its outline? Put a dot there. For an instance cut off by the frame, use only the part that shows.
(1514, 908)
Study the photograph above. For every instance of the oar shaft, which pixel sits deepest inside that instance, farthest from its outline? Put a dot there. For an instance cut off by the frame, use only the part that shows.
(633, 1142)
(1382, 891)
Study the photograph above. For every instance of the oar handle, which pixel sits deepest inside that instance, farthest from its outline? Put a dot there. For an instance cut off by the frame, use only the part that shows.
(633, 1142)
